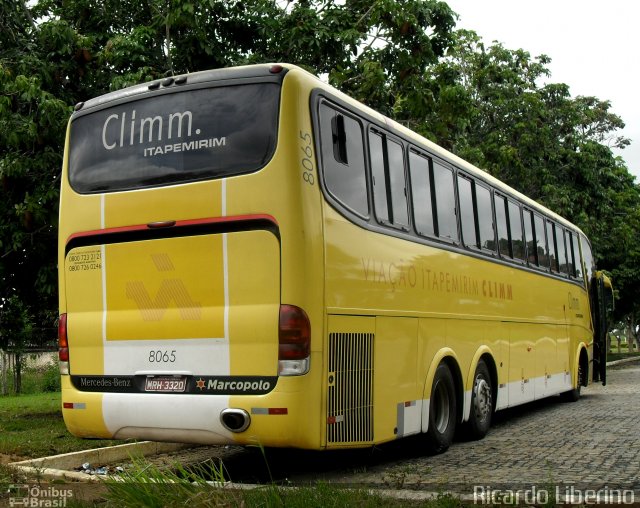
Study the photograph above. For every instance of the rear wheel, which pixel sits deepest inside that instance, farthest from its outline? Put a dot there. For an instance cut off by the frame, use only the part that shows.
(481, 403)
(443, 411)
(574, 395)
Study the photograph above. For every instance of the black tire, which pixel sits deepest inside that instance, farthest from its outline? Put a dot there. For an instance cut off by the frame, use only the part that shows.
(482, 403)
(574, 395)
(443, 411)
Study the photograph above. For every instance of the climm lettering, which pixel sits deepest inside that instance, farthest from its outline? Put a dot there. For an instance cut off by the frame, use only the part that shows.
(144, 130)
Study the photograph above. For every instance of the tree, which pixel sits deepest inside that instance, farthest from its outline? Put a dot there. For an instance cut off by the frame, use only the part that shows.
(401, 58)
(487, 105)
(32, 123)
(56, 53)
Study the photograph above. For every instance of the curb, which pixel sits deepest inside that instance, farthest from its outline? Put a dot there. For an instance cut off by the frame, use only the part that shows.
(61, 467)
(631, 359)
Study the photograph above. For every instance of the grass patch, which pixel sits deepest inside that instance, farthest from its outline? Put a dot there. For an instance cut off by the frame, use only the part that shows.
(611, 357)
(45, 378)
(147, 485)
(32, 426)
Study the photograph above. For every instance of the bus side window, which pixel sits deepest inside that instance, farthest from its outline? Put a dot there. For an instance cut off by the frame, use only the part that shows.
(532, 251)
(467, 216)
(541, 242)
(502, 226)
(575, 252)
(552, 246)
(389, 185)
(484, 216)
(400, 216)
(588, 259)
(376, 153)
(563, 254)
(343, 159)
(515, 228)
(446, 222)
(420, 175)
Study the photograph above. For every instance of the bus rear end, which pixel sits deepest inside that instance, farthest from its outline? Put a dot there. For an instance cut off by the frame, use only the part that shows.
(178, 322)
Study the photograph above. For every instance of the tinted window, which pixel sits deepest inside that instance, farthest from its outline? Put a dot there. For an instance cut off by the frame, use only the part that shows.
(575, 250)
(485, 218)
(178, 137)
(398, 186)
(445, 202)
(467, 217)
(532, 251)
(541, 243)
(551, 241)
(504, 242)
(379, 180)
(421, 194)
(563, 259)
(343, 159)
(515, 226)
(588, 258)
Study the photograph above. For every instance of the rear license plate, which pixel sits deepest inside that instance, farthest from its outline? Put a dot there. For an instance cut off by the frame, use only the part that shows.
(165, 384)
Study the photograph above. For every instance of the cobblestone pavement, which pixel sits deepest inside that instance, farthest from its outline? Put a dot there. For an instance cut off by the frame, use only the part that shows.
(593, 443)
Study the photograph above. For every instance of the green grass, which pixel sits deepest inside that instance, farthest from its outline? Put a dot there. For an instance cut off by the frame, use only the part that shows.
(147, 485)
(37, 379)
(31, 426)
(611, 357)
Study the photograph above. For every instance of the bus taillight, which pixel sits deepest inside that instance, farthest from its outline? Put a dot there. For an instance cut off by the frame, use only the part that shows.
(294, 337)
(63, 344)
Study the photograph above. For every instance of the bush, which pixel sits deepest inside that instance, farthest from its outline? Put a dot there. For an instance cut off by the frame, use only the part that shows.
(44, 378)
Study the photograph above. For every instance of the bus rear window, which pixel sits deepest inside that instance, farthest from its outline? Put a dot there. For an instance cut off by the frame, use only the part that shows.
(178, 137)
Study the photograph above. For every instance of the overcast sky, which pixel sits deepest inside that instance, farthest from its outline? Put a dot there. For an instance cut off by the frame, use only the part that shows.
(593, 46)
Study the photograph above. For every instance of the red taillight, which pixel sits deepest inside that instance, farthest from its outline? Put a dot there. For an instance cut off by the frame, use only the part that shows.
(63, 344)
(294, 333)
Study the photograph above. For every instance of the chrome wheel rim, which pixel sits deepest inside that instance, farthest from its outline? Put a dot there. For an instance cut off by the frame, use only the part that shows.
(482, 400)
(441, 406)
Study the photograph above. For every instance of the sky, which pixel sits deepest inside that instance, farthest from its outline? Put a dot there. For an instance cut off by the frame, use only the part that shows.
(593, 46)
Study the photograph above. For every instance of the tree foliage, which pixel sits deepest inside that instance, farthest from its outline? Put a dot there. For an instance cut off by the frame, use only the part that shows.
(487, 104)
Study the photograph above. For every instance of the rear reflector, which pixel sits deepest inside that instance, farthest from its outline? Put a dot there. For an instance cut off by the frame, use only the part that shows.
(62, 331)
(63, 343)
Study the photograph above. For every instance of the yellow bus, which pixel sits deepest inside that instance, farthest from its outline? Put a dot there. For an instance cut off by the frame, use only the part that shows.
(249, 256)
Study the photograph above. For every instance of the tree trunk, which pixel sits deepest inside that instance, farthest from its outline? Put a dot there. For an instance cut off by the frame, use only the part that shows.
(4, 370)
(18, 374)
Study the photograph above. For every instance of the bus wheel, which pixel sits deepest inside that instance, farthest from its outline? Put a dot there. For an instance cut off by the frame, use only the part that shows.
(574, 395)
(442, 411)
(481, 403)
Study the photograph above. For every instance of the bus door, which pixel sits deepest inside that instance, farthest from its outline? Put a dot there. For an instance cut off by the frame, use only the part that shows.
(601, 296)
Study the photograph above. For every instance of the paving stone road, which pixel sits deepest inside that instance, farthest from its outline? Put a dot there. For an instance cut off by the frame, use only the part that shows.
(590, 444)
(593, 443)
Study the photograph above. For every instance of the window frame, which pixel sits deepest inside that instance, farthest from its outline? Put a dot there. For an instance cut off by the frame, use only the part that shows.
(437, 168)
(365, 147)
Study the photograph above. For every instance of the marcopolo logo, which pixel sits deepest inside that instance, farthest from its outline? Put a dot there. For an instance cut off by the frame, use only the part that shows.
(235, 385)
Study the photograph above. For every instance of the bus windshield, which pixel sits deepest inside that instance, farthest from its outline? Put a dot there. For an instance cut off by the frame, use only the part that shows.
(178, 137)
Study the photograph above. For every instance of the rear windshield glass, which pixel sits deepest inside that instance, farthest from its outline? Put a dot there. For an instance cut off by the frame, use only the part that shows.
(179, 137)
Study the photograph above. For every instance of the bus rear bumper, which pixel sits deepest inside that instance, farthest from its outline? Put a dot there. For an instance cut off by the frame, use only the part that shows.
(280, 418)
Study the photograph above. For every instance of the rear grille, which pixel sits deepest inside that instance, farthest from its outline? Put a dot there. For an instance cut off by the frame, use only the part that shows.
(350, 390)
